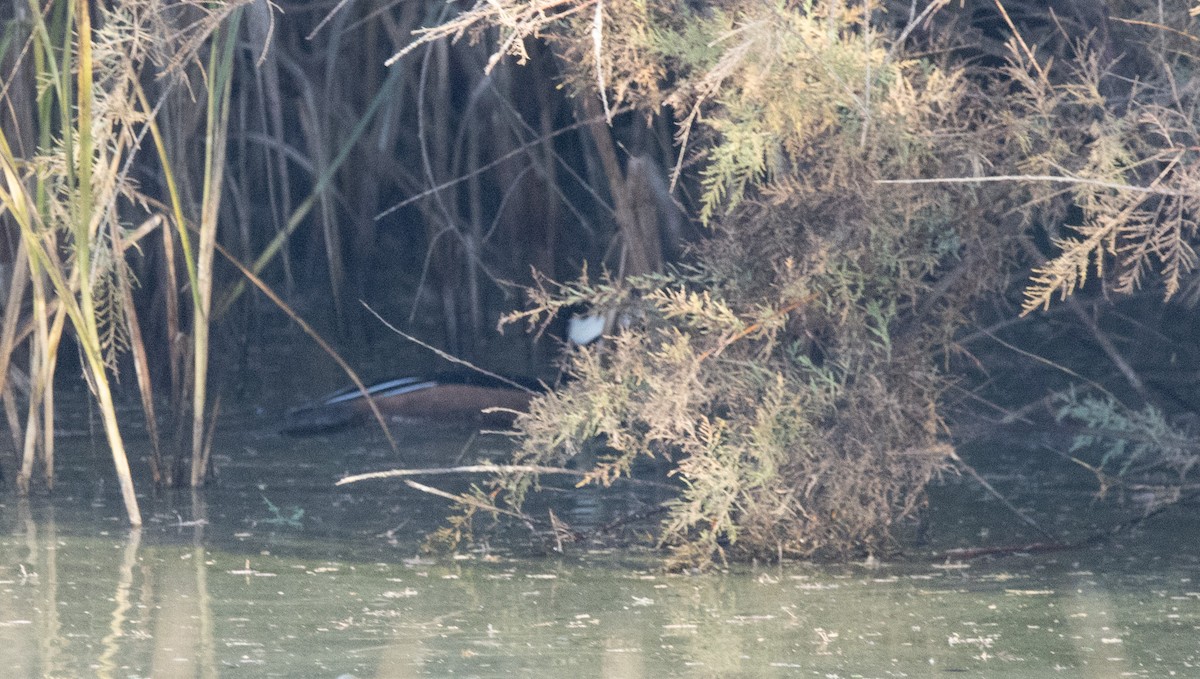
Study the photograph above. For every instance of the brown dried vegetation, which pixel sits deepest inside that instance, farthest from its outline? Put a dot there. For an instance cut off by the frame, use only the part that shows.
(793, 371)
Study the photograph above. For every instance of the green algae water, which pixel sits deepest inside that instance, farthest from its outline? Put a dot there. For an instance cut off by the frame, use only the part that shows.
(275, 572)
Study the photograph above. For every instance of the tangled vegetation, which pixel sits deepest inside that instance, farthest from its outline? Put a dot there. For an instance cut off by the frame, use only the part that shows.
(788, 370)
(792, 370)
(78, 116)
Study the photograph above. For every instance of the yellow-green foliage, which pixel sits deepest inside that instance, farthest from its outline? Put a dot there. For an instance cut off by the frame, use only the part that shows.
(70, 199)
(764, 81)
(1124, 159)
(775, 453)
(860, 199)
(789, 372)
(1099, 119)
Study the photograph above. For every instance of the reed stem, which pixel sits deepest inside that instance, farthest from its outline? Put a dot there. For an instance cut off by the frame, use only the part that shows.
(220, 80)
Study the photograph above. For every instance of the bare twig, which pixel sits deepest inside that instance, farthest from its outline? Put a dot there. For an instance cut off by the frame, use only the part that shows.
(1021, 41)
(468, 500)
(447, 356)
(1110, 350)
(308, 330)
(500, 160)
(465, 469)
(1049, 178)
(1093, 539)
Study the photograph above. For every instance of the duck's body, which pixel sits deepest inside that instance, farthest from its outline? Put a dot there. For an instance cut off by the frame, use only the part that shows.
(455, 398)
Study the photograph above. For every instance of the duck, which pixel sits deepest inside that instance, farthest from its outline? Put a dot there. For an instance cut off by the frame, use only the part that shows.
(455, 397)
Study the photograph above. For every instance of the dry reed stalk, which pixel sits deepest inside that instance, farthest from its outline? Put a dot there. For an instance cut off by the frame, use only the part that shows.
(72, 279)
(29, 445)
(41, 372)
(12, 311)
(54, 339)
(11, 416)
(176, 347)
(82, 225)
(217, 126)
(141, 363)
(171, 304)
(316, 130)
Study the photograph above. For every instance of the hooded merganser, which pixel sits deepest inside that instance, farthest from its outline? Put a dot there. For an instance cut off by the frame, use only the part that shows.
(450, 397)
(459, 397)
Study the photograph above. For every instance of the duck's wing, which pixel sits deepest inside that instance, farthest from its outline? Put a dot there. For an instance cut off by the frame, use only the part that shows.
(345, 407)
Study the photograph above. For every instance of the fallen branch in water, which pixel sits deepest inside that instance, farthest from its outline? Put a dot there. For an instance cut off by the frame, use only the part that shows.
(465, 469)
(967, 553)
(468, 500)
(483, 469)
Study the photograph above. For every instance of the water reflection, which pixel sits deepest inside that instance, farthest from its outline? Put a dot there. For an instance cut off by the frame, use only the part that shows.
(144, 604)
(212, 588)
(109, 645)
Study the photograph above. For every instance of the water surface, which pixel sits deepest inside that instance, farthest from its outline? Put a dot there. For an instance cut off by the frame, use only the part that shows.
(273, 571)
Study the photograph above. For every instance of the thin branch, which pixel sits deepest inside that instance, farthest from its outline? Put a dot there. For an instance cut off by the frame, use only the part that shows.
(1049, 178)
(470, 501)
(465, 469)
(500, 160)
(447, 356)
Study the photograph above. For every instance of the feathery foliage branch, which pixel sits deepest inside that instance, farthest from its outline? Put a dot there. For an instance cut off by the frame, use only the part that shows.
(817, 431)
